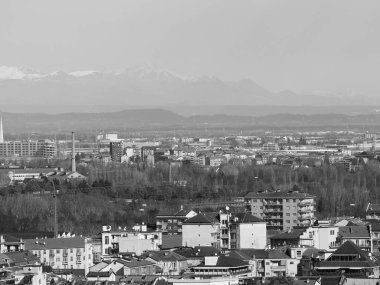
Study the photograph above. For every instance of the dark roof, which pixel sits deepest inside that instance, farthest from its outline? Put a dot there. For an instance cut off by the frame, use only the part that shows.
(281, 194)
(197, 252)
(248, 254)
(54, 243)
(11, 239)
(19, 257)
(330, 280)
(100, 273)
(166, 256)
(202, 219)
(227, 261)
(354, 232)
(171, 241)
(294, 234)
(135, 263)
(349, 248)
(247, 218)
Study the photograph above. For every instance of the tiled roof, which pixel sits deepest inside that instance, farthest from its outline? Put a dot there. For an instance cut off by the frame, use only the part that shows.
(349, 248)
(247, 218)
(99, 274)
(10, 239)
(197, 252)
(294, 234)
(248, 254)
(227, 261)
(201, 219)
(54, 243)
(293, 195)
(19, 257)
(166, 256)
(135, 263)
(354, 232)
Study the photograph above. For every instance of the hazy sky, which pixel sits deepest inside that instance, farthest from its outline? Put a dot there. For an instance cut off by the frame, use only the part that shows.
(292, 44)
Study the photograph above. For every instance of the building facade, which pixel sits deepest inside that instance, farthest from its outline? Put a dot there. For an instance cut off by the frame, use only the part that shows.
(282, 210)
(62, 253)
(40, 148)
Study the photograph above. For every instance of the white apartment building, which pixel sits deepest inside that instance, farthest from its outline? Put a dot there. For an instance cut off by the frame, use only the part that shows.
(123, 240)
(63, 253)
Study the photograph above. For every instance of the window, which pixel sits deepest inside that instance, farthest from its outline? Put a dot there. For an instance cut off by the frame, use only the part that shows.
(288, 214)
(58, 259)
(294, 214)
(287, 200)
(107, 240)
(295, 221)
(71, 259)
(299, 253)
(332, 232)
(57, 251)
(294, 207)
(288, 221)
(287, 207)
(254, 200)
(261, 207)
(71, 250)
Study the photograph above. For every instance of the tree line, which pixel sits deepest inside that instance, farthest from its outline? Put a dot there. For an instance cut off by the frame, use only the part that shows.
(122, 195)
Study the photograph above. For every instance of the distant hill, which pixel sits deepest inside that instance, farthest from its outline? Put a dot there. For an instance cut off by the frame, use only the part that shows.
(156, 119)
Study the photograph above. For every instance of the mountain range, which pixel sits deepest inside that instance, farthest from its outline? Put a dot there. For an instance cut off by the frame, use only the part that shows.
(141, 87)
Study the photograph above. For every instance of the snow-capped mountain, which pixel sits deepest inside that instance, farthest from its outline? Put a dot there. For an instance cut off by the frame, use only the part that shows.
(139, 87)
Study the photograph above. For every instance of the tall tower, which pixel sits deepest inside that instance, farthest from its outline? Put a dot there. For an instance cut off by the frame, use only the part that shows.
(73, 167)
(1, 130)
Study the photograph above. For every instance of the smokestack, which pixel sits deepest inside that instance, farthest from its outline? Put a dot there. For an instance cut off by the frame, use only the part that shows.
(73, 167)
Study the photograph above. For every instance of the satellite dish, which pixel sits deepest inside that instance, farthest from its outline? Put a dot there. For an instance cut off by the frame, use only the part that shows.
(227, 208)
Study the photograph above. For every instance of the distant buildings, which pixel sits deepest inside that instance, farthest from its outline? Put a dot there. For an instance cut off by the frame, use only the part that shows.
(282, 210)
(40, 148)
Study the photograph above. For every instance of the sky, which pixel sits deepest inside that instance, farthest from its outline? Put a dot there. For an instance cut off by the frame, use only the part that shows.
(298, 45)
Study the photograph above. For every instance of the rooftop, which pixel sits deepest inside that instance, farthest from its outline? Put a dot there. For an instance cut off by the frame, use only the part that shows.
(279, 194)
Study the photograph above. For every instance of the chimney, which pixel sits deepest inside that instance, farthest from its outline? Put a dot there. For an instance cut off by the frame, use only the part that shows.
(73, 167)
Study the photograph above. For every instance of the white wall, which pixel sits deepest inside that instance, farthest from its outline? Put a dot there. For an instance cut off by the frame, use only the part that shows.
(252, 235)
(198, 235)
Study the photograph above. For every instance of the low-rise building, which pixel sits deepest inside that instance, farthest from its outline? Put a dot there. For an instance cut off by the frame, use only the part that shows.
(10, 243)
(62, 253)
(128, 241)
(170, 263)
(201, 230)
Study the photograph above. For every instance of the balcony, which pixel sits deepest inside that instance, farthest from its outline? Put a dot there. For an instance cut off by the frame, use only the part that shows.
(278, 267)
(273, 218)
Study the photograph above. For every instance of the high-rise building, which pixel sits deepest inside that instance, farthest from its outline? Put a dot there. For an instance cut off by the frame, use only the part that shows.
(116, 150)
(282, 210)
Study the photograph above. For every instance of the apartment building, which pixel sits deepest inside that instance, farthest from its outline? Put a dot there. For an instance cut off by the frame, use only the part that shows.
(63, 253)
(40, 148)
(201, 230)
(123, 240)
(171, 223)
(225, 231)
(282, 210)
(116, 150)
(242, 230)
